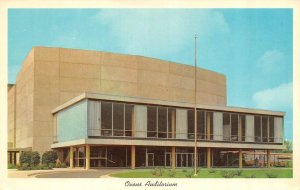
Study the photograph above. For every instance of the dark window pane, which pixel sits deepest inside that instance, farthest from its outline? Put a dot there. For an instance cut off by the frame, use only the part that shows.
(243, 126)
(118, 119)
(200, 125)
(226, 126)
(265, 129)
(151, 121)
(171, 121)
(128, 119)
(257, 128)
(106, 118)
(271, 120)
(191, 125)
(162, 122)
(234, 127)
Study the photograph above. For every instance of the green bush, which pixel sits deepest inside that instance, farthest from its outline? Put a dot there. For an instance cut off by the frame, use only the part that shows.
(184, 170)
(227, 174)
(29, 158)
(51, 165)
(49, 157)
(24, 166)
(35, 158)
(251, 176)
(25, 158)
(11, 166)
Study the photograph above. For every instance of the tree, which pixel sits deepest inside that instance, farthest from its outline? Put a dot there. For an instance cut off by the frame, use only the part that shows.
(288, 146)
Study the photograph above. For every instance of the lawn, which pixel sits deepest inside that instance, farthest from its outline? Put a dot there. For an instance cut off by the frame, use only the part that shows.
(207, 173)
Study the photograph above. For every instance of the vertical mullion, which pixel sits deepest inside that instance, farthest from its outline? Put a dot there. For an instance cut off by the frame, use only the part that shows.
(124, 129)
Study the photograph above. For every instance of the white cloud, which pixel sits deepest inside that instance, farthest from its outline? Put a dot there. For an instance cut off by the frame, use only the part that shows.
(279, 98)
(160, 32)
(271, 60)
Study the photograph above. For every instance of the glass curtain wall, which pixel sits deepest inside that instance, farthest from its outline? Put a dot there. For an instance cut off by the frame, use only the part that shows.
(116, 119)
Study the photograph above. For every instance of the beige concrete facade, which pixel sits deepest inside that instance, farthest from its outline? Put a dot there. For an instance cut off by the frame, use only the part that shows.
(51, 76)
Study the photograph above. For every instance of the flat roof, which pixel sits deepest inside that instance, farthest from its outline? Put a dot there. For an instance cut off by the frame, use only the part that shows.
(139, 100)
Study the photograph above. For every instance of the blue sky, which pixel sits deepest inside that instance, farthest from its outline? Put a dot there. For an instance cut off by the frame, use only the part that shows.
(252, 47)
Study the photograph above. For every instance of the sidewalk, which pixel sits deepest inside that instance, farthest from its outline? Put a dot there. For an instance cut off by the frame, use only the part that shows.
(14, 173)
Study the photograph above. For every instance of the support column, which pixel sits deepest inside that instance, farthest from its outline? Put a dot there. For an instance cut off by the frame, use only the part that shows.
(133, 157)
(208, 159)
(71, 157)
(268, 158)
(87, 156)
(173, 157)
(18, 154)
(208, 127)
(240, 159)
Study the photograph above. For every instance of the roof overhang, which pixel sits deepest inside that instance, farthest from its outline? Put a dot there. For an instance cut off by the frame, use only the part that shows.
(139, 100)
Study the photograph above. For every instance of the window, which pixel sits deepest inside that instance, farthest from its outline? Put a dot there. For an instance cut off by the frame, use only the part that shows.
(257, 128)
(106, 118)
(201, 124)
(242, 121)
(171, 122)
(128, 119)
(118, 118)
(162, 122)
(234, 127)
(226, 127)
(151, 121)
(271, 129)
(191, 124)
(265, 129)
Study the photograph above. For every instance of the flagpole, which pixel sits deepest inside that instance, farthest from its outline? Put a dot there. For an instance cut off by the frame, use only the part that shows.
(195, 110)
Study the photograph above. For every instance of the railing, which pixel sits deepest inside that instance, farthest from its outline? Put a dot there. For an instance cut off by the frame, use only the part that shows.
(181, 136)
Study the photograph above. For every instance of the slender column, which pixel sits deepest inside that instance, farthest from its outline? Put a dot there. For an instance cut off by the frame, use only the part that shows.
(133, 157)
(87, 157)
(208, 157)
(173, 157)
(268, 158)
(208, 126)
(240, 159)
(71, 157)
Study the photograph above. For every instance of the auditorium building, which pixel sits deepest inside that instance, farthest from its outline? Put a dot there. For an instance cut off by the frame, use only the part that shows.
(100, 109)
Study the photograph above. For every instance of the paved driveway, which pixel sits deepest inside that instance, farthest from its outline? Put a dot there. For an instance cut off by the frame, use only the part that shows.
(79, 174)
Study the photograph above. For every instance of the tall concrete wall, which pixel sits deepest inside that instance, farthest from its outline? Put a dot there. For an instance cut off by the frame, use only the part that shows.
(52, 76)
(11, 120)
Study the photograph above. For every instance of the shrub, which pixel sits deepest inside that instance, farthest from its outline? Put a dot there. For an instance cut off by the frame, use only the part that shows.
(11, 166)
(49, 157)
(271, 175)
(29, 158)
(35, 158)
(184, 170)
(51, 165)
(25, 158)
(227, 174)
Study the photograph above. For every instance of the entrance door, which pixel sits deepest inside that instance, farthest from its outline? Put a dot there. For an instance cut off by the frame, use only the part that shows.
(150, 159)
